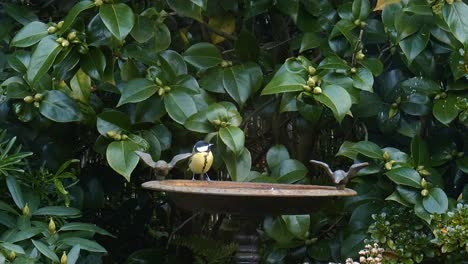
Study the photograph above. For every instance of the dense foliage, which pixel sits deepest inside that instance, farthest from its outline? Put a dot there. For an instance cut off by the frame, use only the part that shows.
(85, 84)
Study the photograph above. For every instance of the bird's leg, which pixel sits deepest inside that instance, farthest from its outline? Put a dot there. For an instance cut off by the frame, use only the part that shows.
(207, 177)
(193, 176)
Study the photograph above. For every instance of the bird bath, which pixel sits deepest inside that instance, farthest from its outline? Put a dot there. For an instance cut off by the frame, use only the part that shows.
(246, 199)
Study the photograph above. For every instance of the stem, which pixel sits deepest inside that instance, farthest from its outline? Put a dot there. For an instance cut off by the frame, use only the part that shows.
(358, 44)
(256, 111)
(180, 227)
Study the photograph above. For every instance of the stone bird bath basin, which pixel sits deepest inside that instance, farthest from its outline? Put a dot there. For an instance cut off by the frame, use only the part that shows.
(247, 200)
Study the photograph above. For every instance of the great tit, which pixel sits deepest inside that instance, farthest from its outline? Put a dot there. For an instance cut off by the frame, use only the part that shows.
(201, 160)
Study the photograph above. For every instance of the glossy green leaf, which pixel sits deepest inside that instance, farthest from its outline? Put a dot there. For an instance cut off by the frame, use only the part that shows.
(118, 18)
(73, 254)
(85, 244)
(405, 176)
(457, 20)
(203, 55)
(276, 229)
(276, 154)
(369, 149)
(414, 45)
(298, 225)
(284, 82)
(26, 234)
(361, 9)
(57, 211)
(75, 226)
(310, 40)
(233, 137)
(73, 13)
(409, 194)
(436, 202)
(94, 63)
(112, 120)
(12, 247)
(238, 166)
(45, 250)
(420, 85)
(42, 58)
(15, 192)
(137, 90)
(58, 107)
(247, 47)
(337, 99)
(397, 197)
(421, 212)
(198, 122)
(291, 171)
(80, 85)
(419, 151)
(334, 63)
(17, 90)
(179, 105)
(373, 64)
(445, 110)
(363, 80)
(186, 9)
(20, 13)
(241, 81)
(30, 34)
(143, 30)
(122, 158)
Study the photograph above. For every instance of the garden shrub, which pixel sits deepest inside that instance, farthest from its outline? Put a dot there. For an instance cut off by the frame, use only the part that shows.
(273, 84)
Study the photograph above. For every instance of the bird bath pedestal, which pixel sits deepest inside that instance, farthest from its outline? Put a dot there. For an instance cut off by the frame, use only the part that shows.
(246, 199)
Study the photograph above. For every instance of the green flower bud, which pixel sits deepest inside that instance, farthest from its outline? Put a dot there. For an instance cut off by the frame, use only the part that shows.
(424, 173)
(357, 22)
(167, 89)
(423, 183)
(223, 124)
(360, 55)
(386, 156)
(317, 90)
(394, 105)
(37, 104)
(424, 192)
(38, 97)
(83, 48)
(306, 88)
(98, 2)
(64, 258)
(363, 24)
(12, 255)
(28, 99)
(65, 43)
(217, 122)
(60, 24)
(437, 97)
(51, 30)
(111, 133)
(26, 210)
(311, 70)
(224, 63)
(312, 81)
(124, 137)
(52, 228)
(161, 91)
(158, 81)
(118, 137)
(353, 70)
(443, 95)
(71, 36)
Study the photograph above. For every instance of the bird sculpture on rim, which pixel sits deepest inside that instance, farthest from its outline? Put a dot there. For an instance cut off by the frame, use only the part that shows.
(340, 177)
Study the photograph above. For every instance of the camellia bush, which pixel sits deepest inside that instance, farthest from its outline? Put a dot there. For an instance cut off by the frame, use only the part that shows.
(272, 84)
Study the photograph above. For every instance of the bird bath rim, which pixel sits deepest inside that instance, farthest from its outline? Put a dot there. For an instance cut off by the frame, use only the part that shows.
(230, 188)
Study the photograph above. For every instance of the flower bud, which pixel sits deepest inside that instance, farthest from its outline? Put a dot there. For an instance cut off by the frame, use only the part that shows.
(12, 255)
(443, 95)
(158, 81)
(420, 167)
(357, 22)
(217, 122)
(65, 43)
(51, 30)
(360, 55)
(38, 97)
(111, 133)
(437, 97)
(424, 192)
(317, 90)
(124, 137)
(389, 165)
(424, 173)
(64, 258)
(161, 91)
(423, 183)
(362, 259)
(37, 104)
(311, 81)
(52, 227)
(118, 137)
(28, 99)
(223, 124)
(394, 105)
(363, 24)
(386, 156)
(71, 36)
(353, 70)
(26, 210)
(307, 88)
(225, 63)
(311, 70)
(98, 2)
(167, 89)
(60, 40)
(60, 24)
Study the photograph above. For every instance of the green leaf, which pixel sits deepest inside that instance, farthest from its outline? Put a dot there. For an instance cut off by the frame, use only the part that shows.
(337, 99)
(421, 212)
(291, 171)
(73, 254)
(73, 13)
(369, 149)
(409, 194)
(30, 34)
(122, 158)
(347, 150)
(397, 197)
(143, 30)
(186, 9)
(112, 120)
(118, 18)
(241, 81)
(277, 230)
(463, 165)
(25, 234)
(419, 151)
(16, 90)
(203, 55)
(179, 105)
(436, 202)
(405, 176)
(283, 83)
(42, 58)
(298, 225)
(85, 244)
(334, 63)
(57, 211)
(15, 192)
(361, 9)
(238, 166)
(58, 107)
(137, 90)
(420, 85)
(21, 13)
(457, 20)
(84, 227)
(6, 207)
(45, 250)
(80, 85)
(414, 45)
(199, 123)
(94, 63)
(276, 154)
(445, 110)
(363, 80)
(233, 137)
(373, 64)
(12, 247)
(310, 40)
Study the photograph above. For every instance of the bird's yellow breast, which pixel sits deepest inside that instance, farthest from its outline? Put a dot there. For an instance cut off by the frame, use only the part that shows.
(201, 162)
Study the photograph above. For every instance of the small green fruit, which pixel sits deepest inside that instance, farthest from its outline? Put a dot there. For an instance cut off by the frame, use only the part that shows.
(311, 81)
(217, 122)
(60, 40)
(158, 81)
(363, 24)
(37, 104)
(307, 88)
(111, 133)
(360, 55)
(12, 255)
(118, 137)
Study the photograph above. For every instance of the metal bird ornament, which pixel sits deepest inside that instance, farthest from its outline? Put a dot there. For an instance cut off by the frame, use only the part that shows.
(340, 177)
(201, 160)
(161, 167)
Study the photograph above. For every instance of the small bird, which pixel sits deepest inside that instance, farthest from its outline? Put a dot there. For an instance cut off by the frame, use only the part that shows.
(340, 177)
(201, 160)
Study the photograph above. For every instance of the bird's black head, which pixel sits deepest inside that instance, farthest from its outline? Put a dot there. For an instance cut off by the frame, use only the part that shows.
(202, 146)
